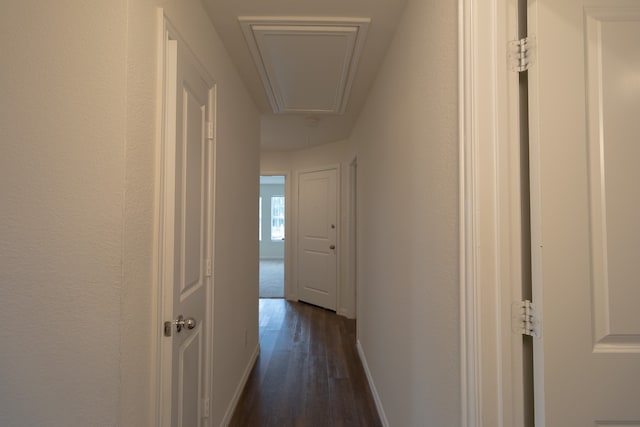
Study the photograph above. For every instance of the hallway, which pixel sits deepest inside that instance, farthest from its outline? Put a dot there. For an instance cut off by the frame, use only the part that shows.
(97, 246)
(308, 372)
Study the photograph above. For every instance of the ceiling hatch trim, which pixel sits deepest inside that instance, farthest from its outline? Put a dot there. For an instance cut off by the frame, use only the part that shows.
(307, 64)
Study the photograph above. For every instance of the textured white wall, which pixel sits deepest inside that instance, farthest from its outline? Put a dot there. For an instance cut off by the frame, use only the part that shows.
(78, 113)
(408, 216)
(61, 179)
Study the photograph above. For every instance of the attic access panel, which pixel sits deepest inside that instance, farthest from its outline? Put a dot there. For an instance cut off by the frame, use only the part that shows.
(307, 65)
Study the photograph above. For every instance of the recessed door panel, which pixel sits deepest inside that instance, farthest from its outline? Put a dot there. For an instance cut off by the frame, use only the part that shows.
(585, 110)
(190, 378)
(614, 105)
(315, 264)
(313, 209)
(193, 171)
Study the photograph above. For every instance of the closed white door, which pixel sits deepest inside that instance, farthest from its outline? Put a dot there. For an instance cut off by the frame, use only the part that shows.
(187, 246)
(585, 134)
(317, 237)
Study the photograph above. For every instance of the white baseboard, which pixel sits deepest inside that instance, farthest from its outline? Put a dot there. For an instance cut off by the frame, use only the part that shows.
(346, 313)
(374, 391)
(243, 381)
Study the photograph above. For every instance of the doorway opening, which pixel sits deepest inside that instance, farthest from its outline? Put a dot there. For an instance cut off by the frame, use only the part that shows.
(271, 235)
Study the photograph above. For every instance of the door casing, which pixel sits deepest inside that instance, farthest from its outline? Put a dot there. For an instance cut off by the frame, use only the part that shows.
(489, 177)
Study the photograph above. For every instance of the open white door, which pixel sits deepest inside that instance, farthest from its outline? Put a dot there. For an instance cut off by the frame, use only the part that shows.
(186, 238)
(317, 236)
(585, 127)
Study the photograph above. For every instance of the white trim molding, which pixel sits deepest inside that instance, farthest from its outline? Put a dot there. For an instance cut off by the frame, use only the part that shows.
(468, 305)
(491, 389)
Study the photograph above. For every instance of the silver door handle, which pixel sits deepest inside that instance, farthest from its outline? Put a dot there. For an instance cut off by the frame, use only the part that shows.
(180, 322)
(332, 247)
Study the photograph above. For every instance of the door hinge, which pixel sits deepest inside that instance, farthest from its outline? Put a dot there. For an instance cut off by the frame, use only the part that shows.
(524, 318)
(205, 407)
(208, 267)
(521, 54)
(210, 130)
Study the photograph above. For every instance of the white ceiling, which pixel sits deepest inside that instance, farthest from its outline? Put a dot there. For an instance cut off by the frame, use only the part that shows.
(309, 125)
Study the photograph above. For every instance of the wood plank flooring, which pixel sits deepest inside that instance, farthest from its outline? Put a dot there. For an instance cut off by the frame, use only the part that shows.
(308, 373)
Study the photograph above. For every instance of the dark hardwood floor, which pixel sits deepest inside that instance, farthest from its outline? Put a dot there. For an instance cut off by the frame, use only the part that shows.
(308, 372)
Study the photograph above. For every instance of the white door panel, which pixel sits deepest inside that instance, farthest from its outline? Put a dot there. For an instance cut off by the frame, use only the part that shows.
(613, 111)
(187, 246)
(191, 209)
(317, 235)
(585, 122)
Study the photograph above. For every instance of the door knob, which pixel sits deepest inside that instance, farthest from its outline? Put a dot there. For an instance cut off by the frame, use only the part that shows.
(332, 247)
(180, 323)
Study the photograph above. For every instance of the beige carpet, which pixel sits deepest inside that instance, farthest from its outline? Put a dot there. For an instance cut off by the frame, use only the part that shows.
(271, 279)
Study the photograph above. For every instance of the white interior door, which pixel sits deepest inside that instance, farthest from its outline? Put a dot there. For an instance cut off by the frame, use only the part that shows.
(317, 237)
(585, 134)
(187, 246)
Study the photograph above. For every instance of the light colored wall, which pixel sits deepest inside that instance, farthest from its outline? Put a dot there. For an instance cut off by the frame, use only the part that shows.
(339, 153)
(61, 184)
(78, 181)
(406, 139)
(270, 249)
(278, 161)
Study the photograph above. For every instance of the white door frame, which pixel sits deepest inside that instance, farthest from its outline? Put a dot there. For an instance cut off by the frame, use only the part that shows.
(491, 355)
(350, 242)
(163, 267)
(289, 294)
